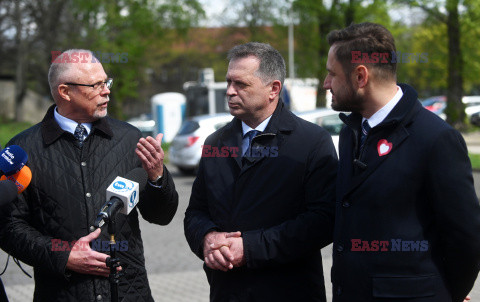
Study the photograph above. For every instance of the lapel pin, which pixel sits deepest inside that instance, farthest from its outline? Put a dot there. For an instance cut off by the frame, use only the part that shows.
(383, 147)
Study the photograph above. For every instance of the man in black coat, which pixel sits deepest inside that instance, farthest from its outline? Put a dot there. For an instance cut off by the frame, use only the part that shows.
(74, 154)
(259, 220)
(407, 225)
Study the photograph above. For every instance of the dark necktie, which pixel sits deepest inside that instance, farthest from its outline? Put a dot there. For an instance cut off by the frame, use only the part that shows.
(250, 135)
(80, 134)
(365, 129)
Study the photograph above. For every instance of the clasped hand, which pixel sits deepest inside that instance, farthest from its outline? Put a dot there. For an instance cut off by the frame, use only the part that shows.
(223, 251)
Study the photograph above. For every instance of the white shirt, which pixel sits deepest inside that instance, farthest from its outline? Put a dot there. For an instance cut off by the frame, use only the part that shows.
(246, 129)
(68, 124)
(381, 114)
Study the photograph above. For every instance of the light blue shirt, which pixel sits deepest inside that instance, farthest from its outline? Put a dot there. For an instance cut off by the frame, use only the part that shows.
(381, 114)
(246, 128)
(68, 124)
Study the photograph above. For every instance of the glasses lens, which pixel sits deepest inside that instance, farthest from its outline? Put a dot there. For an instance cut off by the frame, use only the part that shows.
(109, 83)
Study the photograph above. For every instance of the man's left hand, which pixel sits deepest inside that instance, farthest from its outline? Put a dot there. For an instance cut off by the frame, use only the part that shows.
(150, 152)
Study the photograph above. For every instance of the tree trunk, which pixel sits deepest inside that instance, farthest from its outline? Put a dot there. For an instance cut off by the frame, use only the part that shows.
(20, 74)
(455, 108)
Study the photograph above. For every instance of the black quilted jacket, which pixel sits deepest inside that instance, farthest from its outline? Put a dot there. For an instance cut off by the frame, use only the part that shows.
(67, 190)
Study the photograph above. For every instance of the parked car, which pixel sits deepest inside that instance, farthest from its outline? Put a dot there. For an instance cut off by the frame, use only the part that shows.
(436, 104)
(144, 123)
(327, 118)
(472, 104)
(186, 147)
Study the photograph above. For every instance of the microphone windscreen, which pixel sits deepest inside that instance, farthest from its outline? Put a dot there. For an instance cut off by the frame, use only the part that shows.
(12, 159)
(21, 179)
(138, 175)
(8, 192)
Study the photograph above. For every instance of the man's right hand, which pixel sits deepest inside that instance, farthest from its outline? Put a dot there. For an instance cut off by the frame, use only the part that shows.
(214, 258)
(84, 260)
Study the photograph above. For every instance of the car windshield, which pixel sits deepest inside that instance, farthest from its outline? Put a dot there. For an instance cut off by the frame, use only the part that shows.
(188, 127)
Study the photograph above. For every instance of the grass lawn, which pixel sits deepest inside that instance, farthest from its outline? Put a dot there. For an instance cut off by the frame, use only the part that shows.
(9, 129)
(475, 159)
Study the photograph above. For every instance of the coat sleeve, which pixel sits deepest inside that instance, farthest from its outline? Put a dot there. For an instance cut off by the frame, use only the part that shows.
(159, 205)
(21, 240)
(309, 231)
(197, 222)
(457, 211)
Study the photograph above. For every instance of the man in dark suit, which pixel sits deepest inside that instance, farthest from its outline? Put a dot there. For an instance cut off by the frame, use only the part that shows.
(260, 212)
(407, 225)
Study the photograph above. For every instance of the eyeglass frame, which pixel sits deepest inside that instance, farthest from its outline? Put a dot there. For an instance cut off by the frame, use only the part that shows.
(108, 82)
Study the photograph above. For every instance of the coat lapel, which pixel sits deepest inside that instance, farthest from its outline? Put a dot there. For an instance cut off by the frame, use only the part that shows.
(373, 158)
(232, 137)
(392, 132)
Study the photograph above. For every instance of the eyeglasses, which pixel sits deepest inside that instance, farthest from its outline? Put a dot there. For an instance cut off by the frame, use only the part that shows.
(97, 86)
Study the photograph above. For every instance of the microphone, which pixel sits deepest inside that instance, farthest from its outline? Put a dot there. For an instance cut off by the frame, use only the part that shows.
(360, 164)
(12, 159)
(8, 192)
(122, 195)
(21, 179)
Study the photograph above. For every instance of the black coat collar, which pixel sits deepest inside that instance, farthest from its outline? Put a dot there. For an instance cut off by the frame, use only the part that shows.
(281, 122)
(51, 131)
(398, 113)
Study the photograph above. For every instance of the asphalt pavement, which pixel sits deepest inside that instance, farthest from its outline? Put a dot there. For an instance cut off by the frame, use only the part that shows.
(175, 273)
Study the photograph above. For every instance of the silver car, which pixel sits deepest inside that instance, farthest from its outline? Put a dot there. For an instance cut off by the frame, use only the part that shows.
(326, 118)
(186, 147)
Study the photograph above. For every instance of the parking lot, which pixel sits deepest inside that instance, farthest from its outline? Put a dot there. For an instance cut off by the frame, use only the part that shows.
(175, 274)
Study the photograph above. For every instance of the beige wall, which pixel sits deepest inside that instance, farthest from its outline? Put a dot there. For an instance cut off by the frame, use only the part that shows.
(34, 105)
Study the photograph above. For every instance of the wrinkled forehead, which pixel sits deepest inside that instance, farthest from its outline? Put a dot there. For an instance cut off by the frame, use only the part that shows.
(86, 72)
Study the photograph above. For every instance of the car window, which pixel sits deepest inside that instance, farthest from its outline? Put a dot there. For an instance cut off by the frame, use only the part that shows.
(333, 124)
(188, 127)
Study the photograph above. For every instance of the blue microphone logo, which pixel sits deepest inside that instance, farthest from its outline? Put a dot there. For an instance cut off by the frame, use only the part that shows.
(119, 185)
(131, 204)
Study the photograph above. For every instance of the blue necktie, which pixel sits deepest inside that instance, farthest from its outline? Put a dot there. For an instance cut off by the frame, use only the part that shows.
(365, 129)
(80, 134)
(250, 135)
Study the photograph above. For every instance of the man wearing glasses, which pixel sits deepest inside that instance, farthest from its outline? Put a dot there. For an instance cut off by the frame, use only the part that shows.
(74, 154)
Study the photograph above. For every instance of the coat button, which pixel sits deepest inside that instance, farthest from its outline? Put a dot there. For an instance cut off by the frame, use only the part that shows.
(339, 291)
(83, 164)
(339, 248)
(92, 228)
(346, 204)
(99, 298)
(88, 195)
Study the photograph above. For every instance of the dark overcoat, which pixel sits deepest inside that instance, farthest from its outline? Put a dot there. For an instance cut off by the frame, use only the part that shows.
(407, 217)
(67, 191)
(282, 203)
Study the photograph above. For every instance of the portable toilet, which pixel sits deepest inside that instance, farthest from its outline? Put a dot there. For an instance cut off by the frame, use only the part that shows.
(168, 111)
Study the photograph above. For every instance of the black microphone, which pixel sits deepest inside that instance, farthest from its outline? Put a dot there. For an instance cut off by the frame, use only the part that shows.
(8, 192)
(122, 195)
(360, 164)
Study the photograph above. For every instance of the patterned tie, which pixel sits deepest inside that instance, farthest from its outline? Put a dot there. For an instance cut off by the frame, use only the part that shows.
(365, 129)
(80, 134)
(250, 135)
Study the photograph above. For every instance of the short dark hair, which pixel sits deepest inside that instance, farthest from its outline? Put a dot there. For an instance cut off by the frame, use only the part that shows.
(364, 38)
(272, 65)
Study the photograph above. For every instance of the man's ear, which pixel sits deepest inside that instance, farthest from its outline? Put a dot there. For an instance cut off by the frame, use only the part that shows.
(63, 92)
(276, 89)
(361, 76)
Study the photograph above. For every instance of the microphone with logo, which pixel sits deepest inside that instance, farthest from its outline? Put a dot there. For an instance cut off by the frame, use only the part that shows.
(15, 175)
(122, 196)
